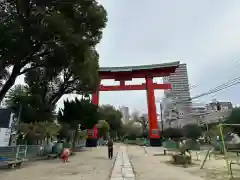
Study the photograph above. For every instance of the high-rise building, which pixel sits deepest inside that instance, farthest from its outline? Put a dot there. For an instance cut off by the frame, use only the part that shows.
(176, 112)
(125, 114)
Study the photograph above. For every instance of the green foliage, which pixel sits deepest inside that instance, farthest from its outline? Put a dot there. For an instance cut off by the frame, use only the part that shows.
(82, 135)
(78, 77)
(56, 36)
(48, 129)
(31, 106)
(215, 131)
(41, 130)
(192, 131)
(144, 124)
(112, 116)
(103, 128)
(131, 131)
(234, 118)
(79, 112)
(173, 133)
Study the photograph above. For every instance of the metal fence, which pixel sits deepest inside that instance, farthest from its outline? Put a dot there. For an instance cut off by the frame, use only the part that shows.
(29, 151)
(21, 151)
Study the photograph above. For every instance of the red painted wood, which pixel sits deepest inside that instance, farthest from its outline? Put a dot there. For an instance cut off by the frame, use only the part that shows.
(149, 86)
(95, 98)
(137, 74)
(122, 87)
(152, 112)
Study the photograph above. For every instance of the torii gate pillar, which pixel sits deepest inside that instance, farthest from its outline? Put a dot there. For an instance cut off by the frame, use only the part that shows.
(152, 112)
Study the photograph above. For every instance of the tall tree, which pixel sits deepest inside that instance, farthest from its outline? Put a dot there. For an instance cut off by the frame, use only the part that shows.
(192, 131)
(30, 105)
(103, 128)
(136, 117)
(78, 114)
(74, 78)
(112, 116)
(234, 118)
(49, 34)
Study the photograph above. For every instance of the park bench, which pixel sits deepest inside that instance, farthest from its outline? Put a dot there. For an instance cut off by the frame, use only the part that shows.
(53, 156)
(12, 163)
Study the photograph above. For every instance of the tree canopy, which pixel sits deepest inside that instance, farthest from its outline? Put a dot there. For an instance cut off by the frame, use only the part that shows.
(103, 128)
(173, 133)
(31, 106)
(112, 116)
(56, 39)
(192, 131)
(234, 118)
(79, 113)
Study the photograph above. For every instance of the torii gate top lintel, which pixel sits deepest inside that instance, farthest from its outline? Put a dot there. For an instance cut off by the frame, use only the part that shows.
(129, 72)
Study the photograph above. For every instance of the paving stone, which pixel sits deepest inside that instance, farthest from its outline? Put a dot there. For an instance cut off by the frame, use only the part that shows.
(122, 168)
(116, 178)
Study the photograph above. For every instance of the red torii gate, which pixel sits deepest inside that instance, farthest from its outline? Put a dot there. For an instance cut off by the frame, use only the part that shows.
(148, 72)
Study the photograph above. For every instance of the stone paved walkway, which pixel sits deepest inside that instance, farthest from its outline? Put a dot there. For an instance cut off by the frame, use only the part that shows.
(122, 169)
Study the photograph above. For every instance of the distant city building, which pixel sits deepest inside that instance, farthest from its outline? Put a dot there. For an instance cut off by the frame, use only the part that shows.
(125, 114)
(219, 106)
(212, 112)
(177, 103)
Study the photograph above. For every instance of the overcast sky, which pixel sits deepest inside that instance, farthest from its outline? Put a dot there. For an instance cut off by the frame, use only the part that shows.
(204, 34)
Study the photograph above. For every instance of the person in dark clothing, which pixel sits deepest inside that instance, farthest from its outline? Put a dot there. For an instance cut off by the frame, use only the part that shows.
(110, 149)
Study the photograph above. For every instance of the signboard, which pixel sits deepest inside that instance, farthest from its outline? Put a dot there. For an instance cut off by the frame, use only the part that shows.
(5, 134)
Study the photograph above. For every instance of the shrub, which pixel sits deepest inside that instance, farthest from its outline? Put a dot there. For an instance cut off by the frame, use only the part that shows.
(192, 131)
(173, 133)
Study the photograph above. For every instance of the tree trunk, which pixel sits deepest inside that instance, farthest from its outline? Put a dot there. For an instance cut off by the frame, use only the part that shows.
(10, 82)
(56, 96)
(74, 139)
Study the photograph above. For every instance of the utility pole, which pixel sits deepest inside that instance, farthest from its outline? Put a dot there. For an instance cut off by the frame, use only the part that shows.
(161, 115)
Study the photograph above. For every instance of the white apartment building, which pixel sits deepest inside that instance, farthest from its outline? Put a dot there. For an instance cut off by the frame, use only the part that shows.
(178, 98)
(125, 114)
(212, 112)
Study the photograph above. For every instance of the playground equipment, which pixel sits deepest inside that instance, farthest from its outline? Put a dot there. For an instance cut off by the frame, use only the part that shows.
(228, 155)
(230, 151)
(174, 146)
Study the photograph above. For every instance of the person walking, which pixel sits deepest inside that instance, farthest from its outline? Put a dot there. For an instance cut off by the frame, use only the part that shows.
(110, 149)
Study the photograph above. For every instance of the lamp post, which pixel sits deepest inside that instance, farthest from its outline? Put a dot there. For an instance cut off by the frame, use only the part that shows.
(161, 114)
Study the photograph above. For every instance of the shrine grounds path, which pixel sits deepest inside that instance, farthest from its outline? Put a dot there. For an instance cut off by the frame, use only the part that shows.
(149, 167)
(91, 164)
(129, 163)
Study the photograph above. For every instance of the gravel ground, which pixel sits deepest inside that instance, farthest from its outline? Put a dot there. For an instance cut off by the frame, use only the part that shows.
(214, 169)
(91, 164)
(150, 167)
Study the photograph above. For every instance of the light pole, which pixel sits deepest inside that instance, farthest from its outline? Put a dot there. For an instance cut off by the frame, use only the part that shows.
(161, 114)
